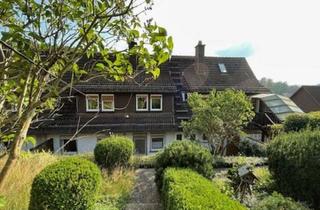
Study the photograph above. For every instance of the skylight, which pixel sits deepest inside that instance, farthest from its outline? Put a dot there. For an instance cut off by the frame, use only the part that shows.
(222, 68)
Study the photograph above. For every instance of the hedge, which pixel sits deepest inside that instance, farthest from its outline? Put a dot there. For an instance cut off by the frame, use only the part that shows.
(72, 183)
(184, 154)
(278, 202)
(114, 151)
(188, 190)
(294, 161)
(298, 122)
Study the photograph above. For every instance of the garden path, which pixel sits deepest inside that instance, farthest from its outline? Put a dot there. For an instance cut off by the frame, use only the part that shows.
(145, 195)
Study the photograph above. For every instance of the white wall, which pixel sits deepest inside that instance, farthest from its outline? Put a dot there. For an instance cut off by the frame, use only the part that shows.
(86, 143)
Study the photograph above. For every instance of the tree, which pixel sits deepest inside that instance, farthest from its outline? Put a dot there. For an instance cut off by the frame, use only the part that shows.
(281, 88)
(44, 42)
(220, 115)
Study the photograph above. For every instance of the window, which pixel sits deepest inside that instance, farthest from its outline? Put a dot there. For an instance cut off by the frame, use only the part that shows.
(179, 137)
(156, 102)
(71, 146)
(156, 143)
(92, 102)
(142, 102)
(107, 102)
(183, 96)
(222, 68)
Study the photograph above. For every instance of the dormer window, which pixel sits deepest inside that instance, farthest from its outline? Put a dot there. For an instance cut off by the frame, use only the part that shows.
(222, 68)
(107, 102)
(92, 102)
(142, 102)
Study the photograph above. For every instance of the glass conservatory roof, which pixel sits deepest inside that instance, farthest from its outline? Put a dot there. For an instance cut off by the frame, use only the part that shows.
(281, 106)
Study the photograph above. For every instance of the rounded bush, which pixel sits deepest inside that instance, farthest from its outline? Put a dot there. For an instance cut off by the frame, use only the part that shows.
(277, 202)
(296, 122)
(114, 151)
(294, 162)
(72, 183)
(314, 120)
(185, 154)
(251, 149)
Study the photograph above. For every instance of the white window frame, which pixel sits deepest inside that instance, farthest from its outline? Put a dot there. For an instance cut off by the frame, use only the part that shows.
(156, 137)
(107, 110)
(147, 107)
(222, 68)
(92, 110)
(151, 109)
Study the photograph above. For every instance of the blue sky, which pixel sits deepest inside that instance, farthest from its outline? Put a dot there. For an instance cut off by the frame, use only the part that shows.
(281, 39)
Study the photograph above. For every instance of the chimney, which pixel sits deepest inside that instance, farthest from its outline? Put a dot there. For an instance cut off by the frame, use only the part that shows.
(200, 52)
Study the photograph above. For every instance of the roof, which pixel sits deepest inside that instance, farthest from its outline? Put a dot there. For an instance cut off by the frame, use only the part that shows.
(205, 75)
(196, 77)
(281, 106)
(312, 90)
(110, 122)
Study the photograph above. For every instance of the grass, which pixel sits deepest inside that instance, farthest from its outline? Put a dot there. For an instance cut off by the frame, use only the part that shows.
(115, 190)
(18, 185)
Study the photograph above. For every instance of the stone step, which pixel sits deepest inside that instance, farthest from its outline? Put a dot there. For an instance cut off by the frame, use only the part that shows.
(144, 206)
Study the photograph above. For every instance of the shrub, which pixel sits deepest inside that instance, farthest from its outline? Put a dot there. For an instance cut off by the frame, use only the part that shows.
(314, 120)
(294, 162)
(71, 183)
(277, 202)
(265, 182)
(275, 130)
(231, 161)
(185, 154)
(114, 151)
(143, 161)
(186, 189)
(296, 122)
(251, 149)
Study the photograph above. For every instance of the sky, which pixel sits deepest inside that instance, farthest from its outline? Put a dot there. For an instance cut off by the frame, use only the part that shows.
(279, 38)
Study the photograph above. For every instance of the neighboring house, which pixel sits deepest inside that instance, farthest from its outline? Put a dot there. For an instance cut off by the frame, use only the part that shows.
(307, 98)
(149, 114)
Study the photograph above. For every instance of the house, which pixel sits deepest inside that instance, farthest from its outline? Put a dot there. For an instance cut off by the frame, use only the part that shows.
(307, 98)
(149, 114)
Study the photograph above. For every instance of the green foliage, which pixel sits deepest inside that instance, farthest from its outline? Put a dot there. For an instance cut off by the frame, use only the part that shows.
(231, 161)
(265, 182)
(251, 149)
(295, 165)
(114, 151)
(275, 130)
(277, 202)
(184, 154)
(296, 122)
(72, 183)
(186, 189)
(281, 88)
(143, 161)
(219, 115)
(314, 120)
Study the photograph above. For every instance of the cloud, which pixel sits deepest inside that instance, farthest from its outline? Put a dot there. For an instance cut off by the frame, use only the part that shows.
(242, 50)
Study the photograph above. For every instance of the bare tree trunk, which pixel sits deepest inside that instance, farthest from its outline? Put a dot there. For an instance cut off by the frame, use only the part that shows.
(16, 147)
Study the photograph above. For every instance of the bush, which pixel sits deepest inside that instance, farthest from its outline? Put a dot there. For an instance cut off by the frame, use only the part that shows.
(275, 130)
(186, 189)
(232, 161)
(277, 202)
(71, 183)
(265, 182)
(185, 154)
(251, 149)
(314, 120)
(296, 122)
(143, 161)
(114, 151)
(294, 162)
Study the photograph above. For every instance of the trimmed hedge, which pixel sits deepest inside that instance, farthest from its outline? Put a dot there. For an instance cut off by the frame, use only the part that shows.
(294, 161)
(298, 122)
(72, 183)
(114, 151)
(188, 190)
(184, 154)
(277, 202)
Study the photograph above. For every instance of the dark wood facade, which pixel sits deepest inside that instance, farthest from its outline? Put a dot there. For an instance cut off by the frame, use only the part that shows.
(307, 98)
